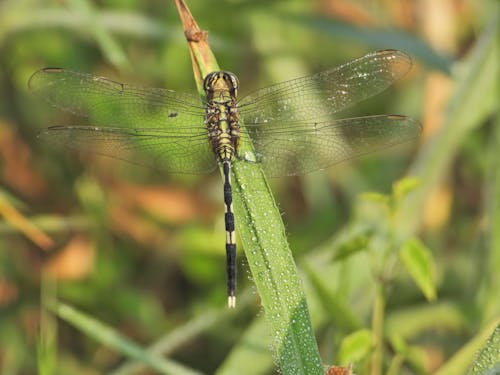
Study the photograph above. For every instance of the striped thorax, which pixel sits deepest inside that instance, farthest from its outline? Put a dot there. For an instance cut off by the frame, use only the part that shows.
(221, 119)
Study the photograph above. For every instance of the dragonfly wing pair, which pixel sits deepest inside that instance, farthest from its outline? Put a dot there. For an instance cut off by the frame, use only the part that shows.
(288, 128)
(290, 124)
(157, 128)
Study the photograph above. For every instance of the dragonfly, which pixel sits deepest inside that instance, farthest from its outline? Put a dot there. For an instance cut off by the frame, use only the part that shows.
(290, 127)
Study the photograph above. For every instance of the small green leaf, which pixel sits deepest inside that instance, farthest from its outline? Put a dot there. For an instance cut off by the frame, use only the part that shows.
(404, 186)
(398, 343)
(376, 198)
(355, 346)
(419, 263)
(354, 245)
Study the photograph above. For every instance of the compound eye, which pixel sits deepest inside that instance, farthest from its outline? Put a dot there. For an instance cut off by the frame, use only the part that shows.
(230, 77)
(207, 82)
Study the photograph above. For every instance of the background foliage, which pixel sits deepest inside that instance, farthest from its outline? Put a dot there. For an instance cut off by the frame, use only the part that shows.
(137, 258)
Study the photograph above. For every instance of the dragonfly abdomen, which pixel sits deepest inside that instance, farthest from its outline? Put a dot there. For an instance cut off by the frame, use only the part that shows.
(223, 134)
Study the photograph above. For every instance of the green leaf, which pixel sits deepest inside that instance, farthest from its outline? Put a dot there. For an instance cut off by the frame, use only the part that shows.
(419, 263)
(353, 245)
(403, 187)
(488, 360)
(375, 198)
(274, 271)
(108, 336)
(355, 346)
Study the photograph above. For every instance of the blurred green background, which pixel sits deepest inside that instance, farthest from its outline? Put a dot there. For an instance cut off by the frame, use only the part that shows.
(143, 253)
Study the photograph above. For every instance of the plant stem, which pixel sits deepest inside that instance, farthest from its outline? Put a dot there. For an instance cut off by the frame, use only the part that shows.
(378, 330)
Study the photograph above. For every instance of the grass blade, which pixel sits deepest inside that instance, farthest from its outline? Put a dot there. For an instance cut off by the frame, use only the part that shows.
(112, 338)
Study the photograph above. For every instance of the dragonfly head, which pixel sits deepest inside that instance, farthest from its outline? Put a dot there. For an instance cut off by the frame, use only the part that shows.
(220, 82)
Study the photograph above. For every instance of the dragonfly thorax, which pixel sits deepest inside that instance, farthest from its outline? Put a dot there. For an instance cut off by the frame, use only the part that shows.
(222, 114)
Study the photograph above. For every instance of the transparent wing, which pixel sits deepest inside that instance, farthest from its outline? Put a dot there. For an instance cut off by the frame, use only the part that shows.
(158, 128)
(110, 103)
(318, 96)
(296, 148)
(182, 151)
